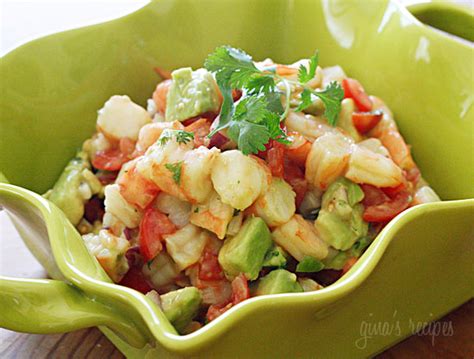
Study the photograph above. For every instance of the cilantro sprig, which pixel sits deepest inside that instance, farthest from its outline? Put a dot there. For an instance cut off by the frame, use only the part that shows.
(175, 169)
(181, 136)
(255, 119)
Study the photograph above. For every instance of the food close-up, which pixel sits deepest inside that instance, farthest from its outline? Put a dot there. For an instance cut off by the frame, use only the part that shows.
(240, 179)
(283, 180)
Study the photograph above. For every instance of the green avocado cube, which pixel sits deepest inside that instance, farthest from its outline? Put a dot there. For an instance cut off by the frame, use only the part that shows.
(191, 93)
(245, 252)
(275, 257)
(278, 281)
(181, 306)
(340, 223)
(66, 194)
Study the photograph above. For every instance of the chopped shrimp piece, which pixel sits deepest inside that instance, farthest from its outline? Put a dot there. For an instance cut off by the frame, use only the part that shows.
(310, 127)
(327, 159)
(151, 132)
(160, 94)
(372, 168)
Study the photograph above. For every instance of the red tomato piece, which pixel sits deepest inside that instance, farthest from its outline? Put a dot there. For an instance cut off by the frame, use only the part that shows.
(153, 226)
(275, 158)
(236, 94)
(348, 265)
(373, 195)
(393, 191)
(218, 140)
(136, 189)
(354, 90)
(216, 310)
(209, 267)
(109, 160)
(365, 121)
(113, 158)
(106, 178)
(295, 178)
(136, 280)
(240, 289)
(387, 210)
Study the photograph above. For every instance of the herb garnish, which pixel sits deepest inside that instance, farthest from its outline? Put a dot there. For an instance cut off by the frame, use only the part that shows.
(181, 136)
(175, 168)
(255, 119)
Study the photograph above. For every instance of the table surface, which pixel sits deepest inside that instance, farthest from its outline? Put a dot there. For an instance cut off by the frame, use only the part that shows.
(25, 20)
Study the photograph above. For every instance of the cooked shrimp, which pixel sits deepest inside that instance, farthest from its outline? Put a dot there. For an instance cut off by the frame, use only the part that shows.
(151, 132)
(311, 127)
(372, 168)
(327, 159)
(160, 94)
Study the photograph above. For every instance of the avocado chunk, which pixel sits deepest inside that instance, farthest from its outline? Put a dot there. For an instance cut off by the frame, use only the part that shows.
(191, 93)
(245, 252)
(340, 222)
(181, 306)
(345, 119)
(275, 257)
(337, 259)
(67, 194)
(278, 281)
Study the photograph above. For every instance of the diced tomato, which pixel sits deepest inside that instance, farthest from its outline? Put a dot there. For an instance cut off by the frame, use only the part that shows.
(295, 178)
(126, 146)
(106, 177)
(354, 90)
(109, 160)
(136, 189)
(373, 195)
(216, 310)
(218, 140)
(387, 210)
(153, 226)
(94, 209)
(298, 150)
(348, 265)
(275, 158)
(200, 128)
(209, 267)
(136, 280)
(365, 121)
(113, 158)
(236, 94)
(160, 94)
(393, 191)
(240, 289)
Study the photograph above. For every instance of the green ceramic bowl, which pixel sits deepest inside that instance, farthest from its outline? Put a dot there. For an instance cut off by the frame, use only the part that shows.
(418, 268)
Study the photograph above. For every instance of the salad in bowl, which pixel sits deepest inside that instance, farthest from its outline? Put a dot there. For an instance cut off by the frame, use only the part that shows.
(240, 179)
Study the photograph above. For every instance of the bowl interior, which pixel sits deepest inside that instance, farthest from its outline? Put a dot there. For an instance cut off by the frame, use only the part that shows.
(53, 87)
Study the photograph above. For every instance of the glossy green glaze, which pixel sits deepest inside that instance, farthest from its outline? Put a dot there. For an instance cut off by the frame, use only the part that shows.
(418, 268)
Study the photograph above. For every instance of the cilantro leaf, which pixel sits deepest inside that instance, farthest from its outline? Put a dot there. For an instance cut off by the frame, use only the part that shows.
(231, 66)
(305, 100)
(252, 109)
(305, 75)
(250, 137)
(260, 83)
(309, 265)
(175, 168)
(331, 96)
(183, 136)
